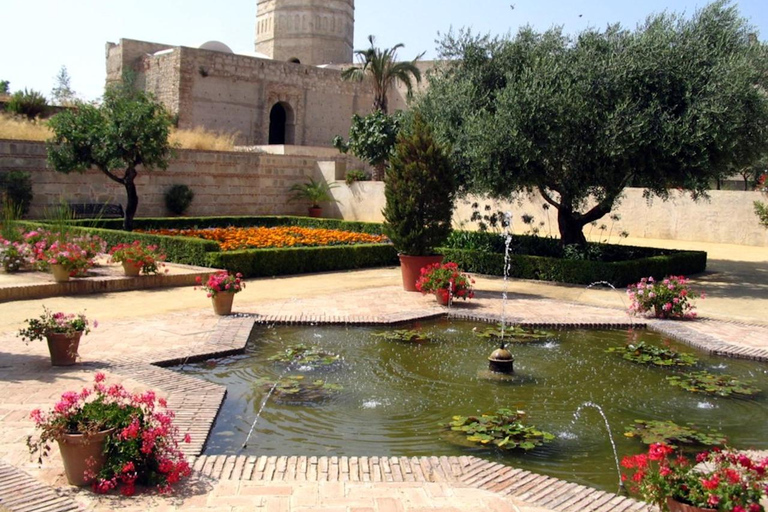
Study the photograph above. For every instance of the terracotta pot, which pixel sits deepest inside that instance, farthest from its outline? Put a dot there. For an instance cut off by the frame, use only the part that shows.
(442, 298)
(222, 303)
(315, 212)
(676, 506)
(63, 348)
(411, 266)
(131, 269)
(60, 274)
(82, 453)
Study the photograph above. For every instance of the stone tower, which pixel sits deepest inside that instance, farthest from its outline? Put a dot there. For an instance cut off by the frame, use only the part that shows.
(311, 32)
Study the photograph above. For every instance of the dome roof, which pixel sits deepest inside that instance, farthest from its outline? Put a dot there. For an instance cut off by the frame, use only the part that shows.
(216, 46)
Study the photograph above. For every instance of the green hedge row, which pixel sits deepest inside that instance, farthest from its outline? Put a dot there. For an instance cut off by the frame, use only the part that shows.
(618, 273)
(147, 223)
(302, 260)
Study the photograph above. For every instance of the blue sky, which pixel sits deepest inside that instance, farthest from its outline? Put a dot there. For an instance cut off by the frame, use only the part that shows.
(40, 36)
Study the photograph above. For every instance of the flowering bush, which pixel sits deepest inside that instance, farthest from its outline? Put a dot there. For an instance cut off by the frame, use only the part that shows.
(15, 256)
(665, 299)
(222, 281)
(67, 254)
(143, 448)
(149, 257)
(445, 279)
(55, 323)
(726, 480)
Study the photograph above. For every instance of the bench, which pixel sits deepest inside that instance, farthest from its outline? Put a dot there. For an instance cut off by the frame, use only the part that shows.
(96, 211)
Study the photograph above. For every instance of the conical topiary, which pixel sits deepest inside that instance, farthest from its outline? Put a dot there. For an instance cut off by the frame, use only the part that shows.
(420, 190)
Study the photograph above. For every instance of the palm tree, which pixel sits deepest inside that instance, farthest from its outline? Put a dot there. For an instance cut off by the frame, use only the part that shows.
(384, 70)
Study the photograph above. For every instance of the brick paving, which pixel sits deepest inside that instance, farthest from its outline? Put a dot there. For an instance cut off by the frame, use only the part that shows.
(139, 328)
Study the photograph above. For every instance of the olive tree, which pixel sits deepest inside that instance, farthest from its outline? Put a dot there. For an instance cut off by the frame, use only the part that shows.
(129, 129)
(673, 104)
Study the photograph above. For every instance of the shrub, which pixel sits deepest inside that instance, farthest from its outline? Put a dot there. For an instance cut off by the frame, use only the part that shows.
(420, 190)
(356, 175)
(16, 187)
(761, 210)
(669, 298)
(178, 198)
(30, 104)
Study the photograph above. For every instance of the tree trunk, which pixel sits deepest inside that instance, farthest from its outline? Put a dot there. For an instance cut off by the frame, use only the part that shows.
(133, 199)
(571, 228)
(379, 170)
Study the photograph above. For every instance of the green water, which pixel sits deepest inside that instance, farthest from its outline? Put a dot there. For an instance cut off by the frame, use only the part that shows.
(396, 394)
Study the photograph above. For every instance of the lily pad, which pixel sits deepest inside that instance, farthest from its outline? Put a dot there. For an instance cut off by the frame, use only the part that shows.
(515, 334)
(503, 429)
(402, 335)
(303, 355)
(705, 382)
(643, 353)
(297, 389)
(672, 434)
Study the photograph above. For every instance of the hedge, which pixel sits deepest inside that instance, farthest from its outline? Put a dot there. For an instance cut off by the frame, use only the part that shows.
(301, 260)
(147, 223)
(618, 273)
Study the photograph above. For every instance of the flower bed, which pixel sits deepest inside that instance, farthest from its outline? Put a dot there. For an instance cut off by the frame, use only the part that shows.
(238, 238)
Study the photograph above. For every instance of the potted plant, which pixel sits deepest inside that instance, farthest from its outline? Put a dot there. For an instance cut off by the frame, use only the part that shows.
(66, 259)
(221, 287)
(112, 438)
(669, 298)
(446, 281)
(62, 331)
(716, 480)
(137, 258)
(315, 192)
(420, 190)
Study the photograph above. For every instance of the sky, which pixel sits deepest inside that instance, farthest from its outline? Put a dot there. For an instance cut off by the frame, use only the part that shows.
(38, 37)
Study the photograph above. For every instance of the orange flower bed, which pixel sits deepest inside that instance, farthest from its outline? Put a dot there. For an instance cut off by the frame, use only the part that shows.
(233, 239)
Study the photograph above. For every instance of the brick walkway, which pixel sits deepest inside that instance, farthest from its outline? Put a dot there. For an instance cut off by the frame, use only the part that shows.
(142, 327)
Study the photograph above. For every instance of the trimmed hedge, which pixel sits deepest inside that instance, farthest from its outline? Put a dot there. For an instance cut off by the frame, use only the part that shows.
(618, 273)
(301, 260)
(221, 222)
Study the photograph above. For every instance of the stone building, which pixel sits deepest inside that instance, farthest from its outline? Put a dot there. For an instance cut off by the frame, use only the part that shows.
(289, 92)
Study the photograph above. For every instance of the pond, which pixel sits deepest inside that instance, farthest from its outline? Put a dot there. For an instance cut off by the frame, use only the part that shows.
(389, 398)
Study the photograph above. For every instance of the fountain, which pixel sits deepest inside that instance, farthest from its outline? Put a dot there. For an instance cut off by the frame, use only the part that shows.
(501, 359)
(577, 415)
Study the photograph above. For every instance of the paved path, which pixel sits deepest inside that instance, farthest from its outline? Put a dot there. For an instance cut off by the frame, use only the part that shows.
(139, 327)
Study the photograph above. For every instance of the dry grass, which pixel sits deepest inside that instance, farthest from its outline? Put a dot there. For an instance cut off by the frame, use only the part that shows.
(19, 128)
(201, 139)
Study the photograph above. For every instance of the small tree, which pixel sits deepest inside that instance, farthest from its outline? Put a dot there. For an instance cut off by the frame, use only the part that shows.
(383, 68)
(420, 190)
(372, 140)
(129, 129)
(5, 87)
(62, 93)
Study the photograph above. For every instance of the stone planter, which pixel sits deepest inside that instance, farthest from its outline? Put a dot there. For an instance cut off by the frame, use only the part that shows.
(411, 266)
(81, 453)
(60, 274)
(222, 303)
(63, 348)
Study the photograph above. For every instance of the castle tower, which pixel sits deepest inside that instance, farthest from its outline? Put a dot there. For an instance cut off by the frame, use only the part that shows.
(311, 32)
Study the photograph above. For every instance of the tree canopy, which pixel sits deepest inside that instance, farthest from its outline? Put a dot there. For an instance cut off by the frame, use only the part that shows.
(129, 129)
(383, 68)
(673, 104)
(372, 139)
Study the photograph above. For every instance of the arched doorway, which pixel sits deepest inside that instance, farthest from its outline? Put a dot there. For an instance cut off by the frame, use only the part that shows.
(281, 124)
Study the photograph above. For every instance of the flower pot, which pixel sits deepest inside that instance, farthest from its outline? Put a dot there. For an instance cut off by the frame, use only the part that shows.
(410, 267)
(131, 269)
(60, 274)
(676, 506)
(222, 303)
(443, 297)
(63, 348)
(83, 454)
(315, 212)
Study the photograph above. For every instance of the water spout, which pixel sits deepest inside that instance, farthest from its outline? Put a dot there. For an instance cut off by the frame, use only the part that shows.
(264, 402)
(577, 415)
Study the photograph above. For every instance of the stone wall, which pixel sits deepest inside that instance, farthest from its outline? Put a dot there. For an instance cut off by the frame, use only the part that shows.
(223, 183)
